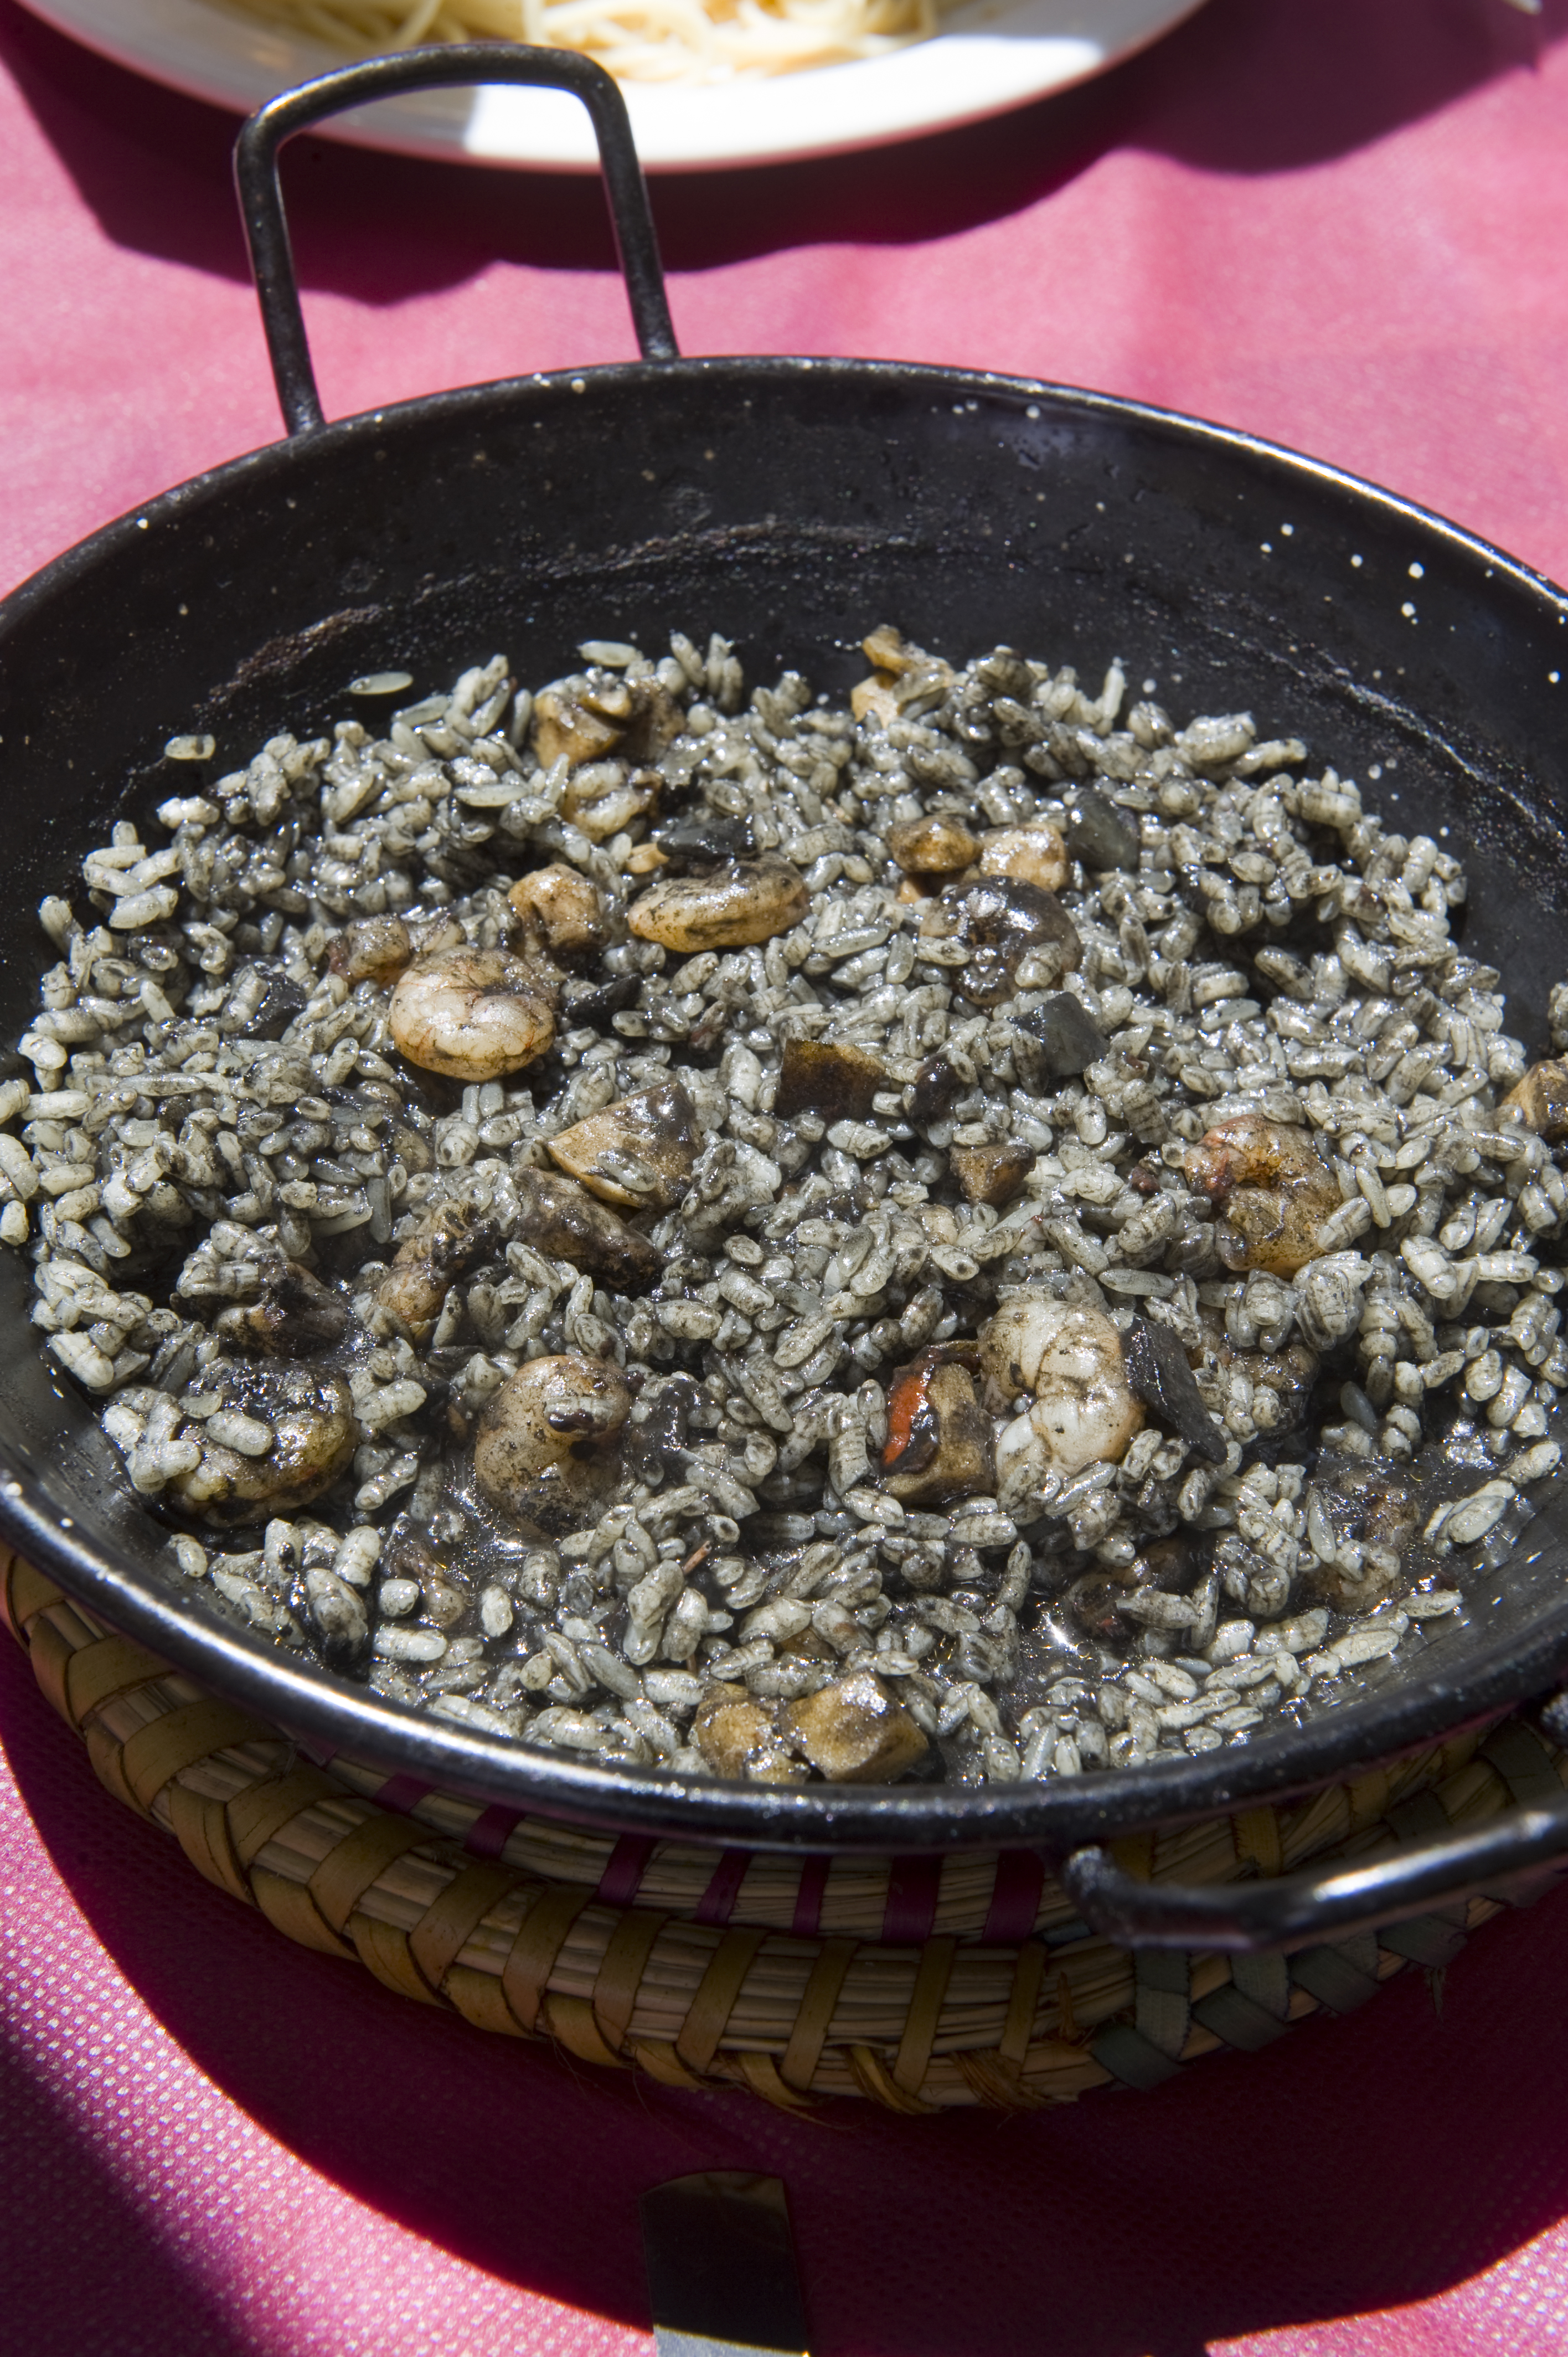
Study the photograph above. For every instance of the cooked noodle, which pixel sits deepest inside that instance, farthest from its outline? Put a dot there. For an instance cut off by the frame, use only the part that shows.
(637, 40)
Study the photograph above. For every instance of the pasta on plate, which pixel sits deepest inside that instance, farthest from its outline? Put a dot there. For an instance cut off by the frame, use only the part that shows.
(637, 40)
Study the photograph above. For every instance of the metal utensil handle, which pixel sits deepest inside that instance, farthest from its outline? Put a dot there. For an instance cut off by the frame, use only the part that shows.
(459, 62)
(1297, 1910)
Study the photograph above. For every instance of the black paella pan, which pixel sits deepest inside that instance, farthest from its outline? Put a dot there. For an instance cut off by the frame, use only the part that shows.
(789, 504)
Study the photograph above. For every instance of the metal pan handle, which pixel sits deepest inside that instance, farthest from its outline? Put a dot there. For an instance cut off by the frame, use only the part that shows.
(1297, 1910)
(460, 62)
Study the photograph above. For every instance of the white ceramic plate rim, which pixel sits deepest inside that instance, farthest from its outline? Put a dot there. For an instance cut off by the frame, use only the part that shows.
(997, 54)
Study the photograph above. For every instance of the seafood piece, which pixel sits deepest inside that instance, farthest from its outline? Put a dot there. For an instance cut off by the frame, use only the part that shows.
(853, 1732)
(703, 839)
(1034, 854)
(295, 1312)
(729, 907)
(1003, 920)
(1070, 1358)
(270, 1439)
(450, 1245)
(472, 1014)
(1287, 1374)
(738, 1738)
(561, 1218)
(562, 906)
(1100, 833)
(936, 846)
(639, 1153)
(1159, 1373)
(1172, 1565)
(827, 1077)
(1368, 1511)
(902, 675)
(991, 1174)
(547, 1447)
(603, 797)
(931, 1091)
(1540, 1101)
(1057, 1041)
(635, 719)
(938, 1442)
(373, 949)
(1272, 1189)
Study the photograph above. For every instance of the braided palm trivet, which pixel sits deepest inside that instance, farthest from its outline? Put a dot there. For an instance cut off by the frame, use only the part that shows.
(917, 1982)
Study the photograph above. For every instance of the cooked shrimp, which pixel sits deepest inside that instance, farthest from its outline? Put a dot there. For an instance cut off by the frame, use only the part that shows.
(1084, 1413)
(473, 1014)
(546, 1450)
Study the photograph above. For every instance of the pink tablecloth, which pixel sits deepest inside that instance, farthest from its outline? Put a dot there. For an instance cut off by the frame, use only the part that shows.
(1340, 225)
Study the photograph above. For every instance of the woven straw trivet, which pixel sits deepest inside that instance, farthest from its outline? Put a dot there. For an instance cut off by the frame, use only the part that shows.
(920, 1983)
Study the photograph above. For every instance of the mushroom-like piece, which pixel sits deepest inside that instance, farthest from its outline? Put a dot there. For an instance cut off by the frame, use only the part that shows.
(276, 1437)
(562, 1219)
(635, 719)
(1540, 1101)
(938, 1442)
(1057, 1041)
(1034, 854)
(829, 1077)
(738, 1738)
(1159, 1372)
(1085, 1412)
(472, 1014)
(1003, 920)
(991, 1174)
(562, 906)
(639, 1153)
(1272, 1189)
(745, 901)
(853, 1732)
(295, 1312)
(450, 1245)
(547, 1448)
(939, 846)
(374, 948)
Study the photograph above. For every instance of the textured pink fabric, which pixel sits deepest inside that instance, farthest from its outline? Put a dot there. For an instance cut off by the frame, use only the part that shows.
(1337, 224)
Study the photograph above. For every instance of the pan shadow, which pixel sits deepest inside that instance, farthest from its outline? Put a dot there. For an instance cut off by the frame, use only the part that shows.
(126, 2292)
(1246, 87)
(1354, 2166)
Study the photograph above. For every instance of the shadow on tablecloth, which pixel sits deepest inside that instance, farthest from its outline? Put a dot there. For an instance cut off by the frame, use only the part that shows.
(1354, 2166)
(1247, 87)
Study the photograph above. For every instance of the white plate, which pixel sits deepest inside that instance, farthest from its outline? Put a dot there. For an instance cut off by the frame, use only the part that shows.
(997, 54)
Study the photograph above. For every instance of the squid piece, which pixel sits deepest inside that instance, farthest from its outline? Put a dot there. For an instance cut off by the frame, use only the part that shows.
(564, 908)
(639, 1153)
(295, 1312)
(853, 1732)
(450, 1245)
(562, 1219)
(634, 721)
(1540, 1101)
(738, 1736)
(938, 1442)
